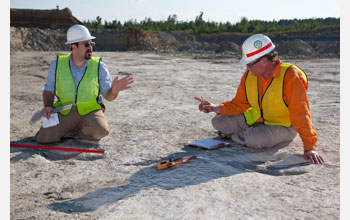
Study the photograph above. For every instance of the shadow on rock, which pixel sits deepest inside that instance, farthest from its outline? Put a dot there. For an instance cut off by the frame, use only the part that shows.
(209, 165)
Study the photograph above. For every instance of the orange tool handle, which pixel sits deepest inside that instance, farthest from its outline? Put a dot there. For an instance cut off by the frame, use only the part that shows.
(176, 162)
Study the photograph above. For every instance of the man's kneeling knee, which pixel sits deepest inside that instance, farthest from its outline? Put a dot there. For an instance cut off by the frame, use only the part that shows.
(94, 133)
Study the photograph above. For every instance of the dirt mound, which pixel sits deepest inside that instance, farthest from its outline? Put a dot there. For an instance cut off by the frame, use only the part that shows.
(45, 30)
(48, 39)
(294, 47)
(299, 47)
(42, 18)
(37, 39)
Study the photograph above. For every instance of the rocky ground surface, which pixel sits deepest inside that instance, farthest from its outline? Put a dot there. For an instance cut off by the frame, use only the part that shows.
(154, 120)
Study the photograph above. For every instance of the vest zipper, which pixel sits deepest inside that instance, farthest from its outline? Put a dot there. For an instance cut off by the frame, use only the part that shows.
(261, 112)
(76, 91)
(75, 101)
(260, 102)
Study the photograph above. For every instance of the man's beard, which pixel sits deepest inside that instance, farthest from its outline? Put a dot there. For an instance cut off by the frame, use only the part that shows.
(88, 55)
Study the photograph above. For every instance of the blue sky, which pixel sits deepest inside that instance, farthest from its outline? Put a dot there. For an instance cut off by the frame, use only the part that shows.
(214, 10)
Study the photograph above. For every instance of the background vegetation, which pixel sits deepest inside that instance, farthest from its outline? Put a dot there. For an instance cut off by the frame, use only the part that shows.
(200, 26)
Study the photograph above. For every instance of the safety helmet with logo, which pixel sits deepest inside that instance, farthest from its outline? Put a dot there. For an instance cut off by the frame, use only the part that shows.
(77, 33)
(255, 47)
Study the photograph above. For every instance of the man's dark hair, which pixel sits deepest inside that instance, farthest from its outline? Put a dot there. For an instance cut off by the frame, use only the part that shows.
(72, 44)
(272, 56)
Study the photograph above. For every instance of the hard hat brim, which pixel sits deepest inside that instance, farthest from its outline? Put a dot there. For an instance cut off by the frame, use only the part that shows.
(79, 39)
(245, 60)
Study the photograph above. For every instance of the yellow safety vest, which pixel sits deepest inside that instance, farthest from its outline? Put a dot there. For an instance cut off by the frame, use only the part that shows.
(88, 87)
(272, 108)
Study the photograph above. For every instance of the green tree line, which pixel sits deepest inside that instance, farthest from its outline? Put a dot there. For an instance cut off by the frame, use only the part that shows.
(200, 26)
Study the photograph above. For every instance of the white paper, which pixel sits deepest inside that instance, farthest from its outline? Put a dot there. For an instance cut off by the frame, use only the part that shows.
(50, 122)
(208, 143)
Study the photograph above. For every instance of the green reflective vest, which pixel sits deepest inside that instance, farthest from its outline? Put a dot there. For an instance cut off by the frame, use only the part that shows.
(88, 87)
(272, 108)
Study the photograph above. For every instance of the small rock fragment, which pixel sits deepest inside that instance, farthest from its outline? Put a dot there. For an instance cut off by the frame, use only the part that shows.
(66, 195)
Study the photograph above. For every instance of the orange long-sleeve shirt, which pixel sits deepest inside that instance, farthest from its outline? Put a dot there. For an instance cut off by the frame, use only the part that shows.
(295, 97)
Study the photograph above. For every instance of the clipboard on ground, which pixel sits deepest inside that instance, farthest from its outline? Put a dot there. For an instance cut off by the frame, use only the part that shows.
(209, 143)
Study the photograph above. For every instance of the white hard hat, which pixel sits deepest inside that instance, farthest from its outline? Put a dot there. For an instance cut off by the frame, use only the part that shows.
(255, 47)
(78, 33)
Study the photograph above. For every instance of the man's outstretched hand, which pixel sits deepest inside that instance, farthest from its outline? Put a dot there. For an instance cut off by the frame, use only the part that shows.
(117, 86)
(122, 84)
(313, 157)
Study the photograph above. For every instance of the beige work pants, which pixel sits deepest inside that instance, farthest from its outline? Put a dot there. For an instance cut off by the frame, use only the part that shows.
(260, 137)
(92, 126)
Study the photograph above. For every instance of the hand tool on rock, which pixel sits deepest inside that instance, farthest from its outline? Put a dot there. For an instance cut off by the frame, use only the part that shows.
(37, 115)
(174, 162)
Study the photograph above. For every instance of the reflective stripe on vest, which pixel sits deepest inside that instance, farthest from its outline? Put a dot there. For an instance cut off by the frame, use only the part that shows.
(273, 109)
(88, 87)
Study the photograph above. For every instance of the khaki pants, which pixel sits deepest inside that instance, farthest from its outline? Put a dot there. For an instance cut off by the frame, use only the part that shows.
(261, 136)
(92, 126)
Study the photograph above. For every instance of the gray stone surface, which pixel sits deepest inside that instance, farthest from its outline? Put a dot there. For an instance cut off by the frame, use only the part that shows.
(154, 120)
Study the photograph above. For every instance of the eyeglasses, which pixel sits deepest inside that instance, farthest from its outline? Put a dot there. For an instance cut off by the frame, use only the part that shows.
(92, 44)
(251, 65)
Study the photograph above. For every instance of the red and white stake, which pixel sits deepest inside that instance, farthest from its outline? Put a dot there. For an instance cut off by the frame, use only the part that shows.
(58, 148)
